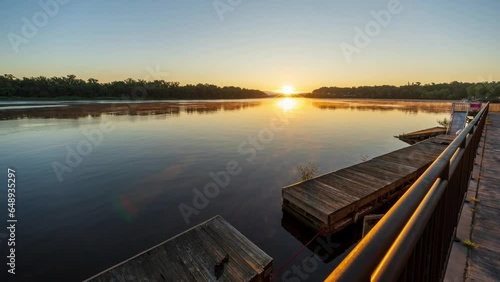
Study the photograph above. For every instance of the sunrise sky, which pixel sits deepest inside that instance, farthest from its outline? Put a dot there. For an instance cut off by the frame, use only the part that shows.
(254, 43)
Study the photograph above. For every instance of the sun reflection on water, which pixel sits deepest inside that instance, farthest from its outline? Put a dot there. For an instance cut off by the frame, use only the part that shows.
(287, 104)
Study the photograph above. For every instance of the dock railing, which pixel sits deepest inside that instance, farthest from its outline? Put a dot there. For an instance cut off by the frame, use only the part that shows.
(412, 242)
(460, 107)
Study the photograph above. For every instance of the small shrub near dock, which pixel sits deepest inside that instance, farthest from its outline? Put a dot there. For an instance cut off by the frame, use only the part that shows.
(308, 171)
(469, 244)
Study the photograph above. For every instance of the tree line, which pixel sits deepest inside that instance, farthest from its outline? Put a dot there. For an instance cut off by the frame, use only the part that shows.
(440, 91)
(71, 87)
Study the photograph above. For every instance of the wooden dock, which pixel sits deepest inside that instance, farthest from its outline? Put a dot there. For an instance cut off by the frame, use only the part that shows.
(420, 135)
(484, 262)
(334, 200)
(211, 251)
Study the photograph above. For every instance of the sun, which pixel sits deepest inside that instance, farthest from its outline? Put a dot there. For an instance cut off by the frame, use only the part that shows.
(287, 90)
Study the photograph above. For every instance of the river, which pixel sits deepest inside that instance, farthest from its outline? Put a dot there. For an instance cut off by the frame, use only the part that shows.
(98, 182)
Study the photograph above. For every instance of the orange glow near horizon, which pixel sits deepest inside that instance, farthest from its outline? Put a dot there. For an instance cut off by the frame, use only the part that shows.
(287, 90)
(287, 104)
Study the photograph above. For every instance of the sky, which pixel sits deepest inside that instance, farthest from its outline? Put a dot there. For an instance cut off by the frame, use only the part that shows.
(254, 43)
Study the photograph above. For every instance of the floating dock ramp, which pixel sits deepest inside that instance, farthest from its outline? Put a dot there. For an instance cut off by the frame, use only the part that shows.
(420, 135)
(334, 200)
(458, 119)
(211, 251)
(457, 123)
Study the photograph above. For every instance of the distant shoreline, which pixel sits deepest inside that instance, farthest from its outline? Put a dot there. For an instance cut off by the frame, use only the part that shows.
(117, 99)
(397, 99)
(74, 99)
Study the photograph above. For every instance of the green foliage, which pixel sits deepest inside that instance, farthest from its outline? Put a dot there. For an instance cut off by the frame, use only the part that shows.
(308, 171)
(441, 91)
(475, 200)
(469, 244)
(444, 122)
(71, 87)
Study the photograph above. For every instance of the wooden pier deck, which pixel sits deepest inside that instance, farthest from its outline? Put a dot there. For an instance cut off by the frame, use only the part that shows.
(420, 135)
(334, 200)
(484, 262)
(211, 251)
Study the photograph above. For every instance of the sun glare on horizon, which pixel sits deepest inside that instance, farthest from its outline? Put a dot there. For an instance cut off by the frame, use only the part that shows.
(287, 90)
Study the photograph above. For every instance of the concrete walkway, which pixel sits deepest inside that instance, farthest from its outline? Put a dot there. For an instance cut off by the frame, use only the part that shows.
(457, 263)
(483, 263)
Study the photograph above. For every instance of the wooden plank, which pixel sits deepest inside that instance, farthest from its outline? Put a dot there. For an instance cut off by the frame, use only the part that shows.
(362, 178)
(436, 129)
(379, 187)
(172, 264)
(303, 217)
(236, 258)
(395, 174)
(255, 257)
(315, 207)
(235, 267)
(484, 262)
(315, 193)
(441, 139)
(335, 196)
(391, 168)
(416, 136)
(410, 156)
(433, 150)
(403, 169)
(415, 159)
(169, 263)
(258, 257)
(197, 269)
(359, 188)
(263, 259)
(353, 189)
(392, 177)
(200, 258)
(342, 210)
(337, 192)
(133, 272)
(346, 187)
(368, 200)
(425, 148)
(193, 256)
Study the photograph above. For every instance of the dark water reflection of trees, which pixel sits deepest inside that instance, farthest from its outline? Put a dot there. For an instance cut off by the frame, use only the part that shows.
(142, 109)
(373, 105)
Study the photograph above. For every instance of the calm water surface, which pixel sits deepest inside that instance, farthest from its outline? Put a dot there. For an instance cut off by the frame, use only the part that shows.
(123, 195)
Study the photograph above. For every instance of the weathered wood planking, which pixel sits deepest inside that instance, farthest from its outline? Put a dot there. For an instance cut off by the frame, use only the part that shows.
(484, 262)
(417, 136)
(211, 251)
(333, 200)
